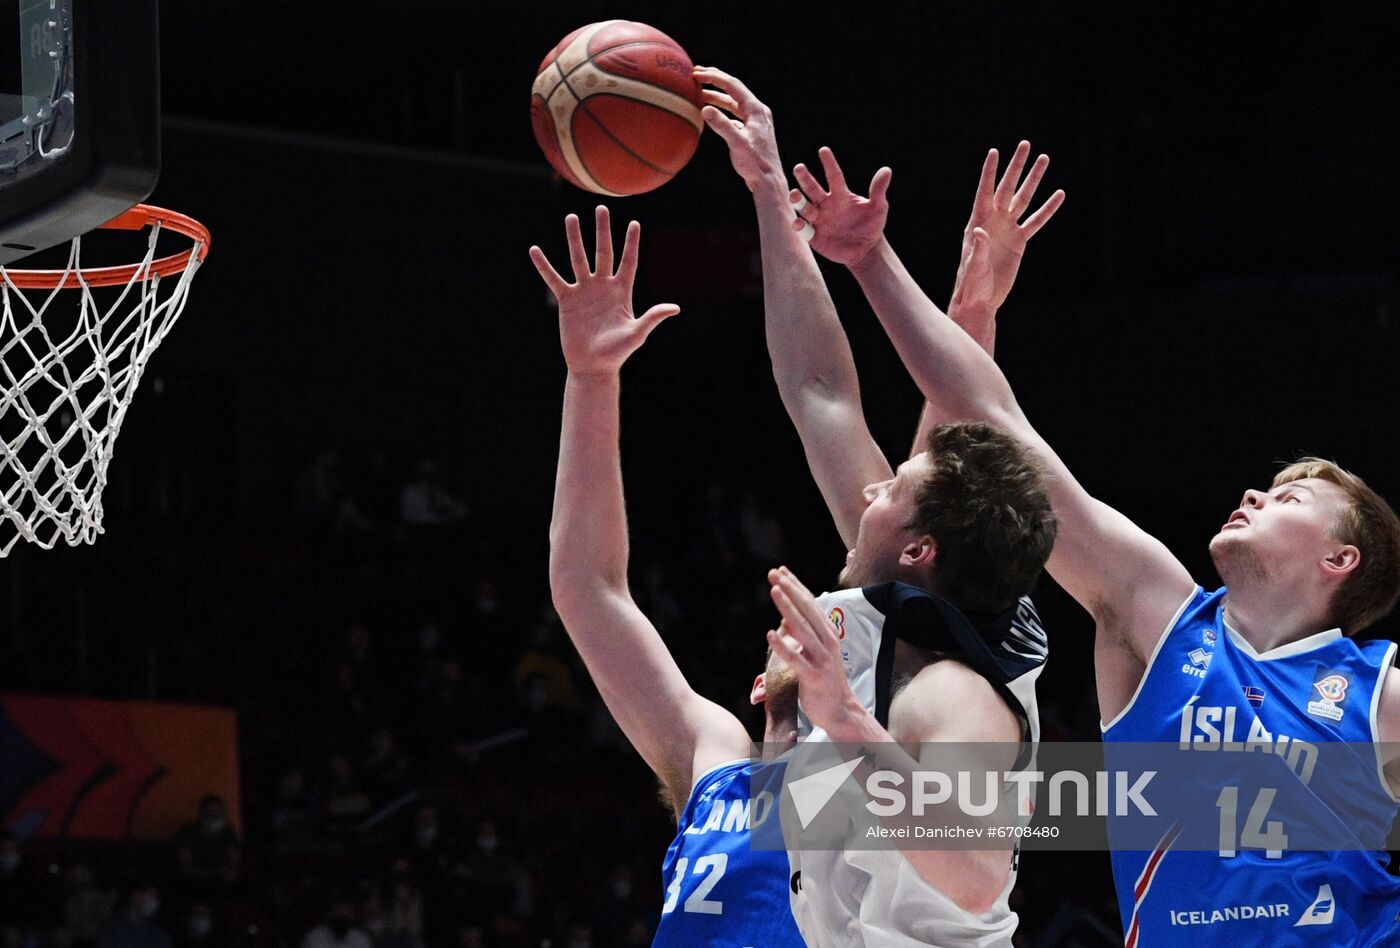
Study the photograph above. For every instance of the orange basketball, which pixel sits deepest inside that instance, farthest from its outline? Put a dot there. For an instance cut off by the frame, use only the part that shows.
(615, 108)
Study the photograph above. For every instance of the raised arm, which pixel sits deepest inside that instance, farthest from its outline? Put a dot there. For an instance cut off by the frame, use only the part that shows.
(1128, 580)
(679, 733)
(811, 356)
(997, 208)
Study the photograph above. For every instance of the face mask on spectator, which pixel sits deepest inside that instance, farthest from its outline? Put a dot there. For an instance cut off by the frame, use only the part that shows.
(425, 835)
(486, 844)
(200, 925)
(150, 905)
(214, 824)
(9, 862)
(622, 889)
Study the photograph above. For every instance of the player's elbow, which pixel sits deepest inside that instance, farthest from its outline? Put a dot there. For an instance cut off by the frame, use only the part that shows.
(978, 902)
(812, 392)
(567, 589)
(973, 880)
(577, 589)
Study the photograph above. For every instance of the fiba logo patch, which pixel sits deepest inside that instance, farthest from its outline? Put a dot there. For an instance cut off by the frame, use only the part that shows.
(1331, 689)
(838, 619)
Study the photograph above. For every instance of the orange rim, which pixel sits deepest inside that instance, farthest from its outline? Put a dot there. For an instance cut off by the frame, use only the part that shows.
(139, 217)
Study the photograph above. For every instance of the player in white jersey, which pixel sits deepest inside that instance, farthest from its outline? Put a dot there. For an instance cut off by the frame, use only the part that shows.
(916, 897)
(1312, 559)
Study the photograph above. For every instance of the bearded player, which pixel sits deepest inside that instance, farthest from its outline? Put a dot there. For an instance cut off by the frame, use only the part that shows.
(1307, 563)
(953, 691)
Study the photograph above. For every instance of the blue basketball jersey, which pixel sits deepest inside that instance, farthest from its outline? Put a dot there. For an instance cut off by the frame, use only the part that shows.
(720, 891)
(1207, 689)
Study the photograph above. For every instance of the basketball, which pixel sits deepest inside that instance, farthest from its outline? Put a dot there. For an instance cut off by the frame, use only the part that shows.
(616, 109)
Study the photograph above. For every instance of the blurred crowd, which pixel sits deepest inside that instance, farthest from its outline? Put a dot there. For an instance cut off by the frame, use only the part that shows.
(424, 760)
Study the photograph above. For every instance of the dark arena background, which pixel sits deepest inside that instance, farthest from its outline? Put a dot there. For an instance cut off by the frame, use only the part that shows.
(323, 576)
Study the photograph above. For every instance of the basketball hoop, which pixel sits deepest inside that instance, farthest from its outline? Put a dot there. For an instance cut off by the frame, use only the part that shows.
(66, 380)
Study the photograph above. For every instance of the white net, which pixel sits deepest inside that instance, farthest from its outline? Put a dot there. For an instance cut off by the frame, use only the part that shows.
(66, 381)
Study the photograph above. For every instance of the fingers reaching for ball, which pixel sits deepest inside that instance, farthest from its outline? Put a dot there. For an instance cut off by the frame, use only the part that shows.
(746, 101)
(721, 100)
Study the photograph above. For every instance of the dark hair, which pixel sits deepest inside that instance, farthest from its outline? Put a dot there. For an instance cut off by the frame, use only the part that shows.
(986, 505)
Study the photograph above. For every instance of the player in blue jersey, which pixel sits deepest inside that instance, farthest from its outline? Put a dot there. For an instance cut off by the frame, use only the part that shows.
(720, 891)
(950, 898)
(1307, 563)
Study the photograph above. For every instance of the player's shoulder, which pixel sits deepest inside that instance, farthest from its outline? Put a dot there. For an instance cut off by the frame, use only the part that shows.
(954, 681)
(1388, 707)
(950, 700)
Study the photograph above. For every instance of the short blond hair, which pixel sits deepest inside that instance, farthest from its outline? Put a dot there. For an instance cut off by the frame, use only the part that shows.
(1369, 524)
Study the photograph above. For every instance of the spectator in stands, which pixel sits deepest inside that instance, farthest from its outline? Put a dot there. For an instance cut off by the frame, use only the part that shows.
(446, 715)
(136, 925)
(200, 930)
(717, 538)
(639, 933)
(291, 822)
(615, 906)
(763, 535)
(346, 802)
(471, 936)
(580, 936)
(339, 930)
(497, 879)
(359, 647)
(375, 493)
(208, 853)
(14, 908)
(403, 913)
(654, 595)
(86, 906)
(542, 680)
(385, 769)
(423, 501)
(348, 707)
(429, 854)
(320, 490)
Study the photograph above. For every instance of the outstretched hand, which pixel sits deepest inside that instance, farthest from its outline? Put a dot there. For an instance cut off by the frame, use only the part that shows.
(997, 210)
(810, 645)
(597, 328)
(847, 227)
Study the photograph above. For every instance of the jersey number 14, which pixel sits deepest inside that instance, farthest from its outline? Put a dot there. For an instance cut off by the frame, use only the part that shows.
(1272, 840)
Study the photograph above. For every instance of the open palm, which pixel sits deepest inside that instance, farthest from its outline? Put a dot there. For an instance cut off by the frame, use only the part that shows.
(847, 227)
(997, 211)
(597, 328)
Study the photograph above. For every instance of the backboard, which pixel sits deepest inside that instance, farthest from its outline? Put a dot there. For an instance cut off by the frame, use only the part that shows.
(79, 117)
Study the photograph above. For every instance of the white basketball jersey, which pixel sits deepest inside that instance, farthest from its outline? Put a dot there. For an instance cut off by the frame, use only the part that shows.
(875, 898)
